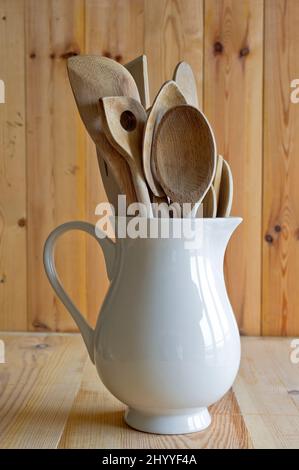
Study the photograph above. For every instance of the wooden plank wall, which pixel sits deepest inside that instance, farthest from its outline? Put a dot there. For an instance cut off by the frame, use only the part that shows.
(13, 208)
(48, 168)
(233, 83)
(55, 157)
(281, 171)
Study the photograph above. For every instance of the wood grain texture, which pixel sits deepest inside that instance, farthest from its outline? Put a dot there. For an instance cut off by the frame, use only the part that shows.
(281, 170)
(267, 393)
(54, 177)
(38, 384)
(217, 177)
(123, 121)
(13, 281)
(209, 204)
(233, 73)
(55, 157)
(92, 77)
(184, 154)
(168, 96)
(51, 396)
(226, 191)
(106, 26)
(184, 77)
(97, 421)
(139, 71)
(173, 32)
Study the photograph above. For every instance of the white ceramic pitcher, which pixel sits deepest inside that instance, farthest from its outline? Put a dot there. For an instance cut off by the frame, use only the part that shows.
(166, 342)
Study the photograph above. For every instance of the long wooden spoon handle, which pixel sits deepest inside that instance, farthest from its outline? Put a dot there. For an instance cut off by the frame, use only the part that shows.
(116, 176)
(217, 177)
(142, 192)
(209, 204)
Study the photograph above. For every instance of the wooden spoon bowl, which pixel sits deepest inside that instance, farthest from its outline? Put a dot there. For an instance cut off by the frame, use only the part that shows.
(184, 153)
(168, 96)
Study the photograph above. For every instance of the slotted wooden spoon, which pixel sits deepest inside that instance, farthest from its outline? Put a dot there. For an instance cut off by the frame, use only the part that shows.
(184, 153)
(123, 121)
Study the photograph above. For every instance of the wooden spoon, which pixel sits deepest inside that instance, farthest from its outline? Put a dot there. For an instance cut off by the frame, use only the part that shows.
(217, 178)
(226, 191)
(124, 120)
(138, 70)
(168, 96)
(209, 203)
(184, 77)
(92, 77)
(184, 152)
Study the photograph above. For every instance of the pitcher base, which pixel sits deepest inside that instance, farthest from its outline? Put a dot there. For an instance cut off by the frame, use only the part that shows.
(188, 421)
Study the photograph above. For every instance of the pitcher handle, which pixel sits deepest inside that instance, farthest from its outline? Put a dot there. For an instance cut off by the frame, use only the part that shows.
(108, 247)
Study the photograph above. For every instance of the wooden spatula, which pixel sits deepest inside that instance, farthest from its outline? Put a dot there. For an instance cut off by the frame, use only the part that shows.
(226, 191)
(184, 77)
(92, 77)
(168, 96)
(138, 70)
(123, 120)
(184, 152)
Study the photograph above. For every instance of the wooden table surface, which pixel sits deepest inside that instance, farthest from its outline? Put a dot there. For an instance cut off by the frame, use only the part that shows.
(51, 397)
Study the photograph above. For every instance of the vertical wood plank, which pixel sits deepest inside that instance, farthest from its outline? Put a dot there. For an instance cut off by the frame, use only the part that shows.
(114, 28)
(173, 32)
(233, 68)
(55, 157)
(281, 170)
(13, 295)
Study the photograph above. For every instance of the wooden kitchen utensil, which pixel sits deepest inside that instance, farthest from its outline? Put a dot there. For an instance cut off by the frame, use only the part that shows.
(138, 70)
(226, 191)
(168, 96)
(123, 121)
(115, 176)
(209, 203)
(92, 77)
(184, 77)
(184, 153)
(217, 177)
